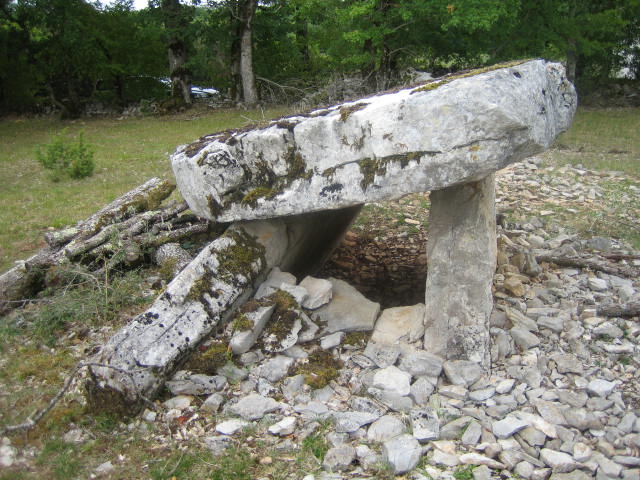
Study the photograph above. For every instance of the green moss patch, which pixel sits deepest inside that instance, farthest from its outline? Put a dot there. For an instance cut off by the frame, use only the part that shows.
(347, 110)
(320, 369)
(439, 82)
(208, 361)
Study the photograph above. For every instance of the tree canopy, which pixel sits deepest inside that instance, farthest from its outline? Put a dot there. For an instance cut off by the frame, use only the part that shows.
(67, 53)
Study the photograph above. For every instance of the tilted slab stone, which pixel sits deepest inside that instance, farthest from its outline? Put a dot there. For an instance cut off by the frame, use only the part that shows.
(135, 363)
(453, 130)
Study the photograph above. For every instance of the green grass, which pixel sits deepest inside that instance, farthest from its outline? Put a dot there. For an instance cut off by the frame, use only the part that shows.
(127, 153)
(601, 139)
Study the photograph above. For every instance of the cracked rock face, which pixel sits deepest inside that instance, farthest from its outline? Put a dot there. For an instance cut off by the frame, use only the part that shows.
(454, 130)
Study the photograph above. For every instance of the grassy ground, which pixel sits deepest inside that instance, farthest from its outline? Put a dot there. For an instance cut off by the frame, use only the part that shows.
(601, 139)
(40, 345)
(127, 153)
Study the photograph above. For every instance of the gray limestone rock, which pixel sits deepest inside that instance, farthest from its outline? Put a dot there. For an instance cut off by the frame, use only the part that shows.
(348, 422)
(425, 424)
(600, 387)
(567, 363)
(575, 398)
(276, 368)
(212, 403)
(376, 148)
(421, 390)
(273, 282)
(462, 372)
(242, 340)
(348, 310)
(284, 427)
(229, 427)
(254, 406)
(402, 453)
(508, 426)
(523, 338)
(471, 435)
(419, 363)
(339, 458)
(559, 462)
(298, 292)
(382, 355)
(217, 445)
(396, 402)
(366, 404)
(399, 325)
(319, 292)
(385, 428)
(232, 372)
(197, 384)
(392, 379)
(454, 429)
(332, 340)
(459, 301)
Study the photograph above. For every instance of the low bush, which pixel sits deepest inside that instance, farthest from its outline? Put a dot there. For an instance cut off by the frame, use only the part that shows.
(67, 158)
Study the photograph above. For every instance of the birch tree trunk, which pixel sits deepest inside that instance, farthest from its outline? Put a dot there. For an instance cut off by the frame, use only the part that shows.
(249, 90)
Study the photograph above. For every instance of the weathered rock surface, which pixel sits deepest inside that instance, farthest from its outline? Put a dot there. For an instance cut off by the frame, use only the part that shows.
(138, 359)
(451, 131)
(458, 299)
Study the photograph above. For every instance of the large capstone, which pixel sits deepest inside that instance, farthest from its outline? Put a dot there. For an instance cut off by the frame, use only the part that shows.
(451, 131)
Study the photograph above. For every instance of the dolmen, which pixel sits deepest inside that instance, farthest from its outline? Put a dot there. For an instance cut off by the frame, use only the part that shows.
(290, 189)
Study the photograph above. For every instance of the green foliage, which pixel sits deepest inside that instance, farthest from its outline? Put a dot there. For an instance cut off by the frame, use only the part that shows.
(65, 158)
(235, 463)
(464, 473)
(317, 444)
(61, 457)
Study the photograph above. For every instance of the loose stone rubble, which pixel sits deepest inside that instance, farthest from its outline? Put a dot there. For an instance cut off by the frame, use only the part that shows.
(564, 407)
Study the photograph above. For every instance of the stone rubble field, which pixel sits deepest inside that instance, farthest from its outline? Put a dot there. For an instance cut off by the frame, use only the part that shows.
(562, 400)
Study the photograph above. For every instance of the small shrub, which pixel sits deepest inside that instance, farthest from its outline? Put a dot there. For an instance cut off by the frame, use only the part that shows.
(65, 158)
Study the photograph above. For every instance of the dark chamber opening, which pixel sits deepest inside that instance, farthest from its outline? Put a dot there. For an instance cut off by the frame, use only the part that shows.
(391, 270)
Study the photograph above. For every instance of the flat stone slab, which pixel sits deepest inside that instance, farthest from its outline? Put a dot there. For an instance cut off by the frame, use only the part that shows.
(453, 130)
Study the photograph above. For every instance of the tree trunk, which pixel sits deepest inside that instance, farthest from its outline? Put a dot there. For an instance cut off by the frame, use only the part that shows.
(180, 78)
(177, 51)
(572, 61)
(247, 75)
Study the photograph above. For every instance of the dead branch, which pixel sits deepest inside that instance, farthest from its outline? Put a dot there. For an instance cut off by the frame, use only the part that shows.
(592, 264)
(625, 310)
(37, 416)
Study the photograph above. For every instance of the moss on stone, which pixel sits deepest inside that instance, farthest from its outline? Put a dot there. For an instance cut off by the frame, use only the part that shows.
(240, 256)
(168, 269)
(369, 168)
(214, 206)
(439, 82)
(242, 323)
(347, 110)
(254, 195)
(209, 359)
(199, 287)
(286, 312)
(357, 339)
(321, 367)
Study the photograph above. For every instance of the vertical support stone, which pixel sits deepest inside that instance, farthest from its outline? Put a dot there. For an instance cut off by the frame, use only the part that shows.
(461, 253)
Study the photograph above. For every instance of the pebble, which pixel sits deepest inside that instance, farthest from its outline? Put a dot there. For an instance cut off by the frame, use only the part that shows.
(402, 453)
(507, 427)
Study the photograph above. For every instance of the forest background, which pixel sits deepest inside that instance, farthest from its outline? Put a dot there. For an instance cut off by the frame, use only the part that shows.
(64, 55)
